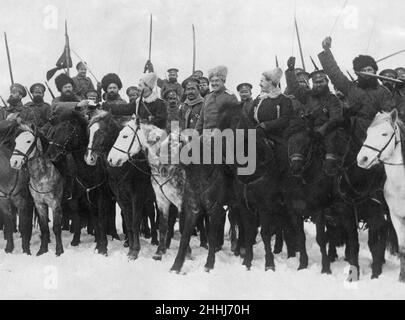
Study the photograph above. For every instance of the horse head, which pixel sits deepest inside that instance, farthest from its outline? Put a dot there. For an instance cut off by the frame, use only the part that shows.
(130, 141)
(26, 146)
(102, 132)
(383, 137)
(68, 135)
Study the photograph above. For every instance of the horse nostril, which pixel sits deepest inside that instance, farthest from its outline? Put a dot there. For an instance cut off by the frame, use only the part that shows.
(364, 159)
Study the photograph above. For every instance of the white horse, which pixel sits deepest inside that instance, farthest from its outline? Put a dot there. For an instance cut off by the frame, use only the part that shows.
(45, 184)
(167, 179)
(383, 145)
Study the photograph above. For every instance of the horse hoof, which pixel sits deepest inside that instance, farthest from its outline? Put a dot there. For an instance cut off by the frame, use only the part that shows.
(375, 276)
(59, 252)
(133, 255)
(8, 250)
(115, 236)
(326, 271)
(102, 251)
(302, 267)
(248, 268)
(146, 234)
(157, 257)
(242, 252)
(218, 248)
(155, 242)
(75, 242)
(126, 244)
(401, 278)
(207, 269)
(42, 251)
(234, 246)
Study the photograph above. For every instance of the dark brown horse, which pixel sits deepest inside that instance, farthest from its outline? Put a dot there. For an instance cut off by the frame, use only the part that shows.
(14, 194)
(69, 135)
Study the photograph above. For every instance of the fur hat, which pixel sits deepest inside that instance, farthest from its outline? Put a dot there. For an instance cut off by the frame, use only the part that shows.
(389, 73)
(363, 61)
(61, 80)
(20, 88)
(273, 75)
(219, 71)
(37, 85)
(111, 78)
(149, 79)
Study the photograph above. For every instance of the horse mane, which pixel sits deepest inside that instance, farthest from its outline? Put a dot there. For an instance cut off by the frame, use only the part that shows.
(98, 116)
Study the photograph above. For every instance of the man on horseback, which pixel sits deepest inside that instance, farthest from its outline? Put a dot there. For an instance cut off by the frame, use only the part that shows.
(36, 111)
(17, 93)
(150, 110)
(191, 108)
(399, 93)
(365, 97)
(321, 107)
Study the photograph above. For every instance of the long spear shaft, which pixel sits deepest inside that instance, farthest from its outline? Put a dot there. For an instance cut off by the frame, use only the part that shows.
(67, 55)
(8, 58)
(391, 55)
(299, 43)
(4, 102)
(193, 49)
(29, 93)
(74, 52)
(150, 37)
(50, 90)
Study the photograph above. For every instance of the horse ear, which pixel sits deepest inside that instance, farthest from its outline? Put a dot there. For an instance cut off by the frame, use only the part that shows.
(394, 115)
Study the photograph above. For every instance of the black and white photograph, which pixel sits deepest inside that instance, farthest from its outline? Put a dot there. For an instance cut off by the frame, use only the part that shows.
(202, 150)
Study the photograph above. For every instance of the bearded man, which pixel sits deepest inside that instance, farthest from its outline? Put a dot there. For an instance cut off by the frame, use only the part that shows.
(36, 111)
(17, 93)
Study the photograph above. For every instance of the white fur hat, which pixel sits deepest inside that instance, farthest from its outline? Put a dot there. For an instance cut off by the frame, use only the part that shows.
(273, 75)
(219, 71)
(149, 79)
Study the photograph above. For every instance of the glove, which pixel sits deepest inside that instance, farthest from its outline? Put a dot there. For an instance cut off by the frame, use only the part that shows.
(148, 67)
(291, 63)
(327, 43)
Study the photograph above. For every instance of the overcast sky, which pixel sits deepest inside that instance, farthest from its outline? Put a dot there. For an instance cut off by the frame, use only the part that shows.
(112, 36)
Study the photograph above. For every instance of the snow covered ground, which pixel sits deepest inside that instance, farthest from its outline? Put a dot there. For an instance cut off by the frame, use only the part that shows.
(82, 274)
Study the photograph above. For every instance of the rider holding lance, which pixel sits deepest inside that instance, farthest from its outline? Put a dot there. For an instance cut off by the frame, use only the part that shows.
(321, 105)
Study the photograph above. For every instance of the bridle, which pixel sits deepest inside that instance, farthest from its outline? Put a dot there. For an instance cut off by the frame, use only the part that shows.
(62, 147)
(31, 148)
(135, 136)
(300, 157)
(380, 151)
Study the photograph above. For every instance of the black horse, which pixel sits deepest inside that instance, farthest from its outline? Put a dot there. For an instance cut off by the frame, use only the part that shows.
(69, 135)
(15, 198)
(309, 194)
(362, 191)
(130, 183)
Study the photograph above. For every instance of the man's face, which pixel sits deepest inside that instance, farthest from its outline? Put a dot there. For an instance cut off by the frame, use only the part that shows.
(146, 90)
(368, 69)
(245, 94)
(92, 96)
(265, 85)
(133, 94)
(82, 71)
(15, 93)
(401, 74)
(319, 83)
(192, 90)
(112, 91)
(203, 87)
(197, 74)
(172, 99)
(216, 83)
(303, 80)
(67, 90)
(172, 75)
(37, 95)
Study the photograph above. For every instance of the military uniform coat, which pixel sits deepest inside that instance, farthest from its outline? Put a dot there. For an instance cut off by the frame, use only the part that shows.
(37, 113)
(82, 85)
(190, 112)
(210, 111)
(166, 85)
(363, 103)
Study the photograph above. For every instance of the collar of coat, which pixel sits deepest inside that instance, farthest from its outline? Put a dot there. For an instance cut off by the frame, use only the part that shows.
(197, 100)
(153, 97)
(274, 93)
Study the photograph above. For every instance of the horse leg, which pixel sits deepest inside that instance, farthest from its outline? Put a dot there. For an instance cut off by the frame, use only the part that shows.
(163, 209)
(217, 216)
(298, 223)
(267, 230)
(352, 243)
(151, 214)
(135, 227)
(42, 209)
(321, 239)
(171, 222)
(376, 243)
(233, 231)
(249, 223)
(221, 230)
(288, 233)
(188, 220)
(25, 213)
(110, 212)
(102, 222)
(127, 213)
(57, 226)
(399, 224)
(203, 232)
(278, 246)
(8, 225)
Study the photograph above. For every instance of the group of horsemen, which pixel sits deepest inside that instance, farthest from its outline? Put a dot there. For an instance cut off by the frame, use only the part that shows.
(195, 106)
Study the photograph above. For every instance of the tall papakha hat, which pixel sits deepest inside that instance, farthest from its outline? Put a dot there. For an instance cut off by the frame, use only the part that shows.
(61, 80)
(111, 78)
(363, 61)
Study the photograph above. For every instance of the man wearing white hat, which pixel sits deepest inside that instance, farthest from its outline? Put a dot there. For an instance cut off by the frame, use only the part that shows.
(151, 109)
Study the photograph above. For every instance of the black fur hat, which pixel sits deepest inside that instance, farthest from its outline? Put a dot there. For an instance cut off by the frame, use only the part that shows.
(111, 78)
(61, 80)
(364, 61)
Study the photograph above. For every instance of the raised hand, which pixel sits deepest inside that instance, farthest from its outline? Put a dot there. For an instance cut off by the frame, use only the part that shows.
(291, 63)
(327, 43)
